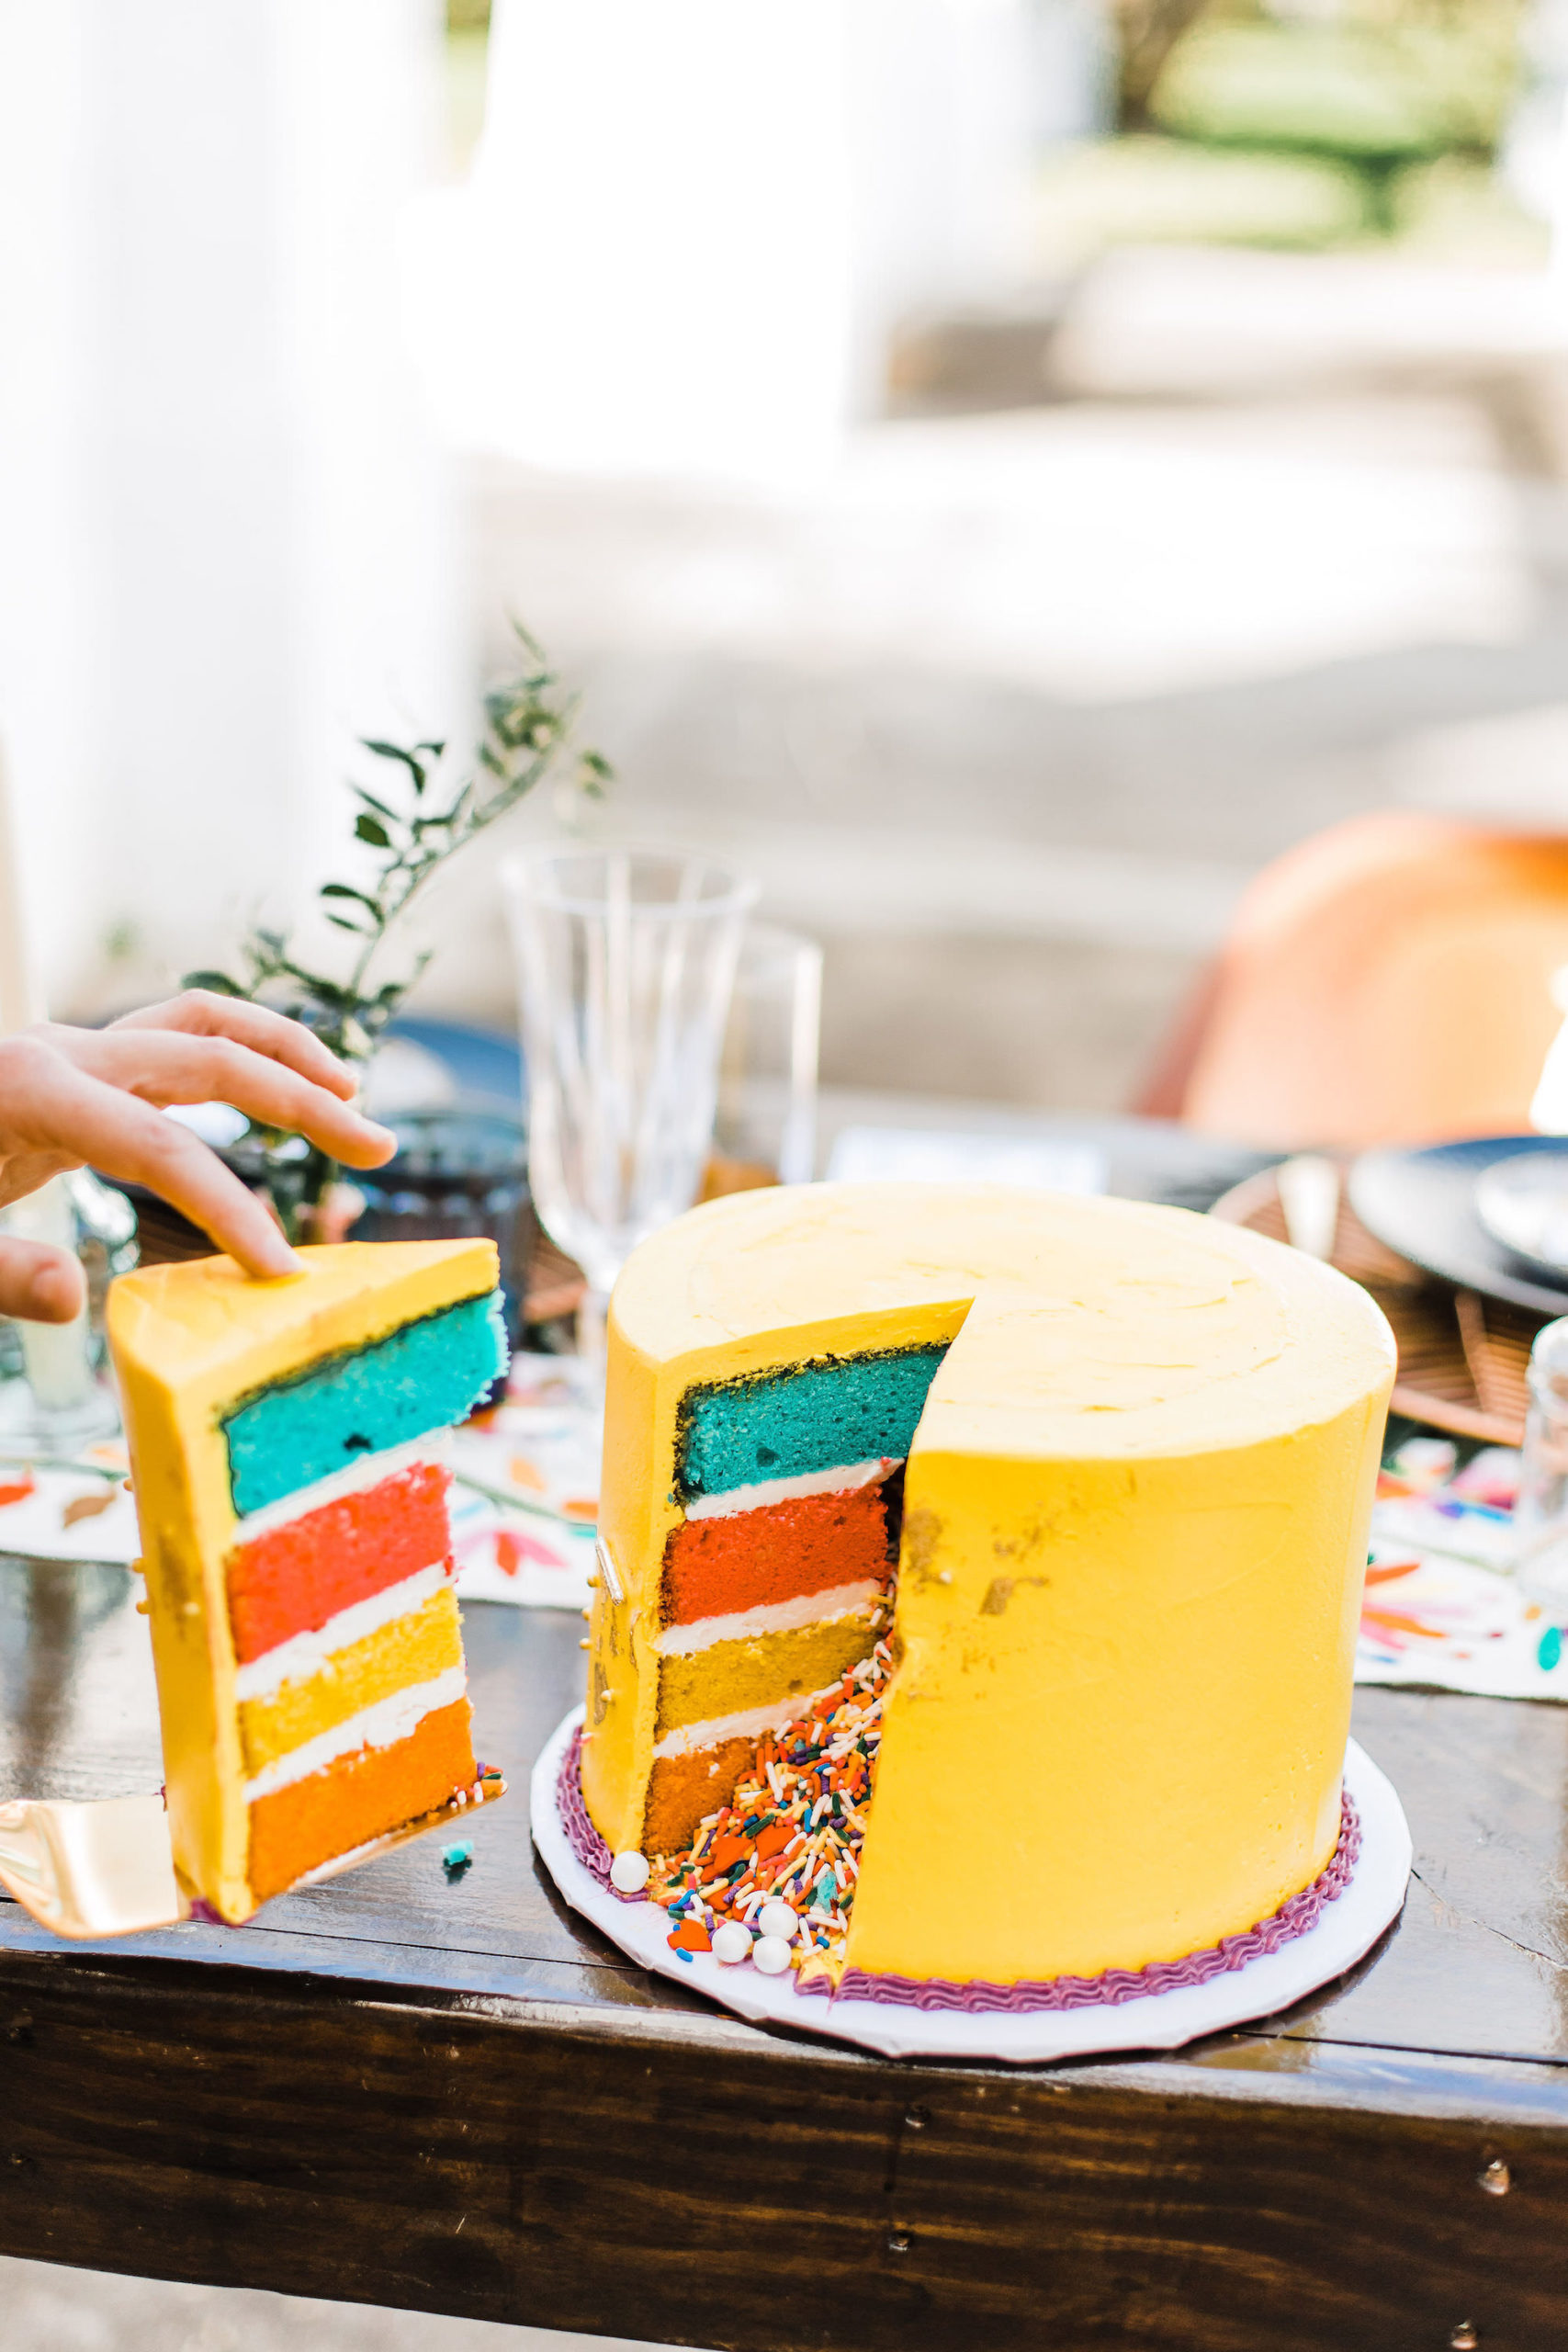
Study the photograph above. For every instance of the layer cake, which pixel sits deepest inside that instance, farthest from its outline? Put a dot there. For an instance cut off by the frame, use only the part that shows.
(1051, 1511)
(291, 1495)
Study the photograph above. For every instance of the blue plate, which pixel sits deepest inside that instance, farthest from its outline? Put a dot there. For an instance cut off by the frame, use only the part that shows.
(1422, 1204)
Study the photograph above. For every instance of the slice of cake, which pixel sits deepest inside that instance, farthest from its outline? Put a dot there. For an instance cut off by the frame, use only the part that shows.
(285, 1457)
(1099, 1722)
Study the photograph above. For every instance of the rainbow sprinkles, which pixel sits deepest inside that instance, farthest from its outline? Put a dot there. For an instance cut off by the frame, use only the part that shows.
(792, 1833)
(1043, 1519)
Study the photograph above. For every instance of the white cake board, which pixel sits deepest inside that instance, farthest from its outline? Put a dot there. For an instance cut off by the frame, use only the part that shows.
(1344, 1933)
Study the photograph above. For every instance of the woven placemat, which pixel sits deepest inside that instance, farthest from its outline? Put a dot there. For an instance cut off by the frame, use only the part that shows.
(1461, 1357)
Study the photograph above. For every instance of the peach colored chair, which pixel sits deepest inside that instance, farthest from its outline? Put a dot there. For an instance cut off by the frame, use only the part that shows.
(1387, 981)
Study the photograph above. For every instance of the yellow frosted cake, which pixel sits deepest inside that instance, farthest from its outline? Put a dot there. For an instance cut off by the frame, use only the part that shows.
(284, 1454)
(979, 1575)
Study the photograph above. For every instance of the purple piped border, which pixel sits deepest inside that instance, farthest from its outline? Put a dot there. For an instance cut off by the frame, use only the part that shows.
(1115, 1986)
(580, 1834)
(1118, 1984)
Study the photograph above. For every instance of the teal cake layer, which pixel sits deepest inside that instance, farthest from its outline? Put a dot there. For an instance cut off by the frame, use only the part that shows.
(423, 1377)
(813, 1416)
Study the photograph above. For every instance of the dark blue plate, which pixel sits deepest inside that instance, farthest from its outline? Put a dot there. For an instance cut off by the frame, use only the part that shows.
(1422, 1204)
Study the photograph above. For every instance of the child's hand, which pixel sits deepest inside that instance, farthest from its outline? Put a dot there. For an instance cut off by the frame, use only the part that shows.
(71, 1095)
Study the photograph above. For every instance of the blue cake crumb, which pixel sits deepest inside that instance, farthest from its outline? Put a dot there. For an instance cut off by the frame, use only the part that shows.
(813, 1416)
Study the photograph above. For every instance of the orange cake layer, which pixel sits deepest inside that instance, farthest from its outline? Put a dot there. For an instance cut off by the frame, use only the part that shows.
(750, 1559)
(683, 1790)
(293, 1578)
(358, 1797)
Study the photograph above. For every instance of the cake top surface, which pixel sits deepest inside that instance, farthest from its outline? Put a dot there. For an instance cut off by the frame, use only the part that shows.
(1090, 1326)
(207, 1321)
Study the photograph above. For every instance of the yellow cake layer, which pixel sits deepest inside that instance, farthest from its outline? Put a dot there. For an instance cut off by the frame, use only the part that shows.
(410, 1649)
(1136, 1509)
(188, 1341)
(729, 1676)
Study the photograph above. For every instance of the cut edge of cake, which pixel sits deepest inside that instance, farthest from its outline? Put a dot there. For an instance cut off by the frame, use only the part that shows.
(652, 1507)
(197, 1346)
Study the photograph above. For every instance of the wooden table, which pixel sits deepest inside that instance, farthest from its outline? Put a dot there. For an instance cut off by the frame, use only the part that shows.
(459, 2098)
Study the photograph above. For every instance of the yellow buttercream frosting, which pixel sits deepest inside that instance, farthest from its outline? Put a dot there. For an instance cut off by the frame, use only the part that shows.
(1135, 1532)
(187, 1342)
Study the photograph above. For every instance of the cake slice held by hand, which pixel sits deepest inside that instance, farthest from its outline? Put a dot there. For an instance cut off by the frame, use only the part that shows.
(286, 1444)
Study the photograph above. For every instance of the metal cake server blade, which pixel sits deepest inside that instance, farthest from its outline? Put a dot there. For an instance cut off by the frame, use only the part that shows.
(90, 1870)
(102, 1868)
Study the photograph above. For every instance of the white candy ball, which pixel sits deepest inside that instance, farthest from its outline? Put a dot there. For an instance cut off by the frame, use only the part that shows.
(777, 1919)
(770, 1955)
(731, 1942)
(628, 1873)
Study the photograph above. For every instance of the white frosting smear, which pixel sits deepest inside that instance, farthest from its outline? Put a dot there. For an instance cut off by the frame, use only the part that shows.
(773, 1617)
(368, 1471)
(306, 1653)
(747, 1723)
(844, 1481)
(382, 1726)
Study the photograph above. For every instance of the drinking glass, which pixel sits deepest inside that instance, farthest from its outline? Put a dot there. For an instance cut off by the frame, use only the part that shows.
(1540, 1514)
(55, 1394)
(766, 1127)
(625, 962)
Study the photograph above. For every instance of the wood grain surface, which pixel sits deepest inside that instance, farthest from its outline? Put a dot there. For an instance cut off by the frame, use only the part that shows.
(459, 2097)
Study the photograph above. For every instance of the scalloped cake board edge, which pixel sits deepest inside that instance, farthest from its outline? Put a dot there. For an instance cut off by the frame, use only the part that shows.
(1347, 1931)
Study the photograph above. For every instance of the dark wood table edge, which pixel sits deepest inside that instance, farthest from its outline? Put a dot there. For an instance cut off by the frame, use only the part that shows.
(551, 2161)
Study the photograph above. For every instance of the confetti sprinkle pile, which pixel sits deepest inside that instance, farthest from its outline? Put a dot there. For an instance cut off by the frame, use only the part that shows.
(793, 1831)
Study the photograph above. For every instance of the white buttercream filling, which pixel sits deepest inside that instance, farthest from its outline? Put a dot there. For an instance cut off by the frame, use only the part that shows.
(773, 1617)
(306, 1653)
(747, 1723)
(369, 1470)
(843, 1481)
(382, 1726)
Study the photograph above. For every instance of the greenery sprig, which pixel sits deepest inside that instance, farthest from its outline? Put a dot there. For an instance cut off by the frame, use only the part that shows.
(529, 723)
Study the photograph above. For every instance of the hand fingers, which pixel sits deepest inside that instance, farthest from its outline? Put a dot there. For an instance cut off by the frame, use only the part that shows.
(171, 1067)
(41, 1285)
(200, 1013)
(126, 1138)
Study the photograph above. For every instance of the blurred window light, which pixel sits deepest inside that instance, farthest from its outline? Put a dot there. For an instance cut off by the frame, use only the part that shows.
(691, 227)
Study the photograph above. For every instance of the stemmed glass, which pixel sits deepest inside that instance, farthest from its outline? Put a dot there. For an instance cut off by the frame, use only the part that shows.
(625, 962)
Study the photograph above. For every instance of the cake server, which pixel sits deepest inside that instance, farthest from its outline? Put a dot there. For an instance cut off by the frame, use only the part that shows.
(101, 1867)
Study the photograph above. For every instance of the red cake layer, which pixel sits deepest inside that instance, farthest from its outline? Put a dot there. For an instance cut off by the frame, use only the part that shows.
(751, 1558)
(292, 1580)
(358, 1797)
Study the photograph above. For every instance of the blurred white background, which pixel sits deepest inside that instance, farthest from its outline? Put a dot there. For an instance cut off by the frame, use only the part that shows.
(1003, 537)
